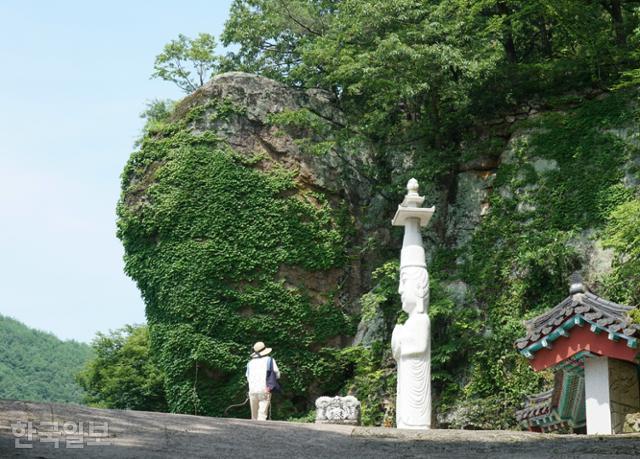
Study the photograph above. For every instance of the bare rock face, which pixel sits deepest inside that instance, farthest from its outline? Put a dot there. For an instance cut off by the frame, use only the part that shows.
(372, 327)
(465, 214)
(255, 131)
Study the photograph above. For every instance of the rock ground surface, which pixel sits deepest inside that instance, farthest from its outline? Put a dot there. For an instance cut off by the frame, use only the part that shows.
(138, 434)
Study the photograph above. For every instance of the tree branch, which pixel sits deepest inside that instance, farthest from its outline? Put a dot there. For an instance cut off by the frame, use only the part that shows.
(305, 27)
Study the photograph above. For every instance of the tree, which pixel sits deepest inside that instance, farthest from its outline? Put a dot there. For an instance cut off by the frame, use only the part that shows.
(188, 63)
(123, 374)
(632, 77)
(272, 34)
(157, 111)
(622, 234)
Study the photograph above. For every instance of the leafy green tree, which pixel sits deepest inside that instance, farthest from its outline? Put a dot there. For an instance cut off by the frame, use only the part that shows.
(278, 38)
(123, 374)
(401, 72)
(622, 234)
(188, 62)
(419, 73)
(273, 33)
(157, 111)
(631, 77)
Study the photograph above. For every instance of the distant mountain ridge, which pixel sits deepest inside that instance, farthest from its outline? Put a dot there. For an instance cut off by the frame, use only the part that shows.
(38, 366)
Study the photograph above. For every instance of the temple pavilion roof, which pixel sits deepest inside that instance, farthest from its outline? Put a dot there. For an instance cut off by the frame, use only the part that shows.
(536, 406)
(561, 406)
(580, 308)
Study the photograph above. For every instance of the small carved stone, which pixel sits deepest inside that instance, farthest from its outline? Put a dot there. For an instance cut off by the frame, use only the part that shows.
(338, 410)
(632, 423)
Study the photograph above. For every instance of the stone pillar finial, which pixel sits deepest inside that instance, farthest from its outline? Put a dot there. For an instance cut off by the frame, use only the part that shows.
(412, 199)
(412, 186)
(575, 283)
(411, 207)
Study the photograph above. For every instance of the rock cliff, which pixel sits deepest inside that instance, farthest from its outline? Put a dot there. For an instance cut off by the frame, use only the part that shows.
(237, 231)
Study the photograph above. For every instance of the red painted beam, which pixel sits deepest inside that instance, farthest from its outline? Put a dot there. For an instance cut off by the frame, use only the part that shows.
(582, 339)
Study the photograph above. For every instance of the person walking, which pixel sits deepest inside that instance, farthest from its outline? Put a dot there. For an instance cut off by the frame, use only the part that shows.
(259, 390)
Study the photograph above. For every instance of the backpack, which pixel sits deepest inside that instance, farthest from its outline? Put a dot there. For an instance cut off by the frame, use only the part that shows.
(272, 381)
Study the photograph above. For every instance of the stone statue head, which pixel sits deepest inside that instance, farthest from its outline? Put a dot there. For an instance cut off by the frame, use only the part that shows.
(414, 289)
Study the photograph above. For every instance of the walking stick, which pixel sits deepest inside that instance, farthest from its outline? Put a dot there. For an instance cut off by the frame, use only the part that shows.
(236, 405)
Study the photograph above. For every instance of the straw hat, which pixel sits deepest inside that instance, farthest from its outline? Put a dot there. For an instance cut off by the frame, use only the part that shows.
(260, 350)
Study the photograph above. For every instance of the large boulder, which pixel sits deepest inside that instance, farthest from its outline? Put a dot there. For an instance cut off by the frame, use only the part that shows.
(236, 234)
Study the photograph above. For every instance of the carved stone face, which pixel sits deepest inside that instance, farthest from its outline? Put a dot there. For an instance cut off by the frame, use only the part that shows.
(413, 289)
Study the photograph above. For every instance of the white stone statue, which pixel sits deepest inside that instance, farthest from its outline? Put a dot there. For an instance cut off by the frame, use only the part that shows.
(411, 342)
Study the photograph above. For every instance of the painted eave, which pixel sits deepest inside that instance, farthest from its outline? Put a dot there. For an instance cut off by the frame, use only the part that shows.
(563, 331)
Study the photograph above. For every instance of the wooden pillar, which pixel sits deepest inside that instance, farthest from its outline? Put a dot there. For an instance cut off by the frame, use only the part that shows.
(611, 392)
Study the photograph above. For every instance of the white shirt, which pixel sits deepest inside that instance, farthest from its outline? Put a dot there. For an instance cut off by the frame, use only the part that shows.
(257, 374)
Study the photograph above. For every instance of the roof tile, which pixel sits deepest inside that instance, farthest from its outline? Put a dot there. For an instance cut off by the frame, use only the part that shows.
(607, 314)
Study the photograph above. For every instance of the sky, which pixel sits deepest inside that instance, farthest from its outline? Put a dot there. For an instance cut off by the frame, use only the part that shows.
(74, 77)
